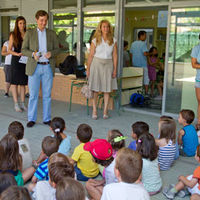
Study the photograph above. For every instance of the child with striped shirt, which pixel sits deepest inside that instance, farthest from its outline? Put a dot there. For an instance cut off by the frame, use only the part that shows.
(166, 143)
(49, 146)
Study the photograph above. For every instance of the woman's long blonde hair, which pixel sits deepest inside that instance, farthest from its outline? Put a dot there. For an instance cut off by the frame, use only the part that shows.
(98, 33)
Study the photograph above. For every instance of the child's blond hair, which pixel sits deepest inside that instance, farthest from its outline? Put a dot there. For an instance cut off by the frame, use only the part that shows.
(167, 129)
(68, 189)
(129, 164)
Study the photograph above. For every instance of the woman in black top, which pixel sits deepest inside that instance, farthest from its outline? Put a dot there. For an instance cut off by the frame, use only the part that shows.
(18, 76)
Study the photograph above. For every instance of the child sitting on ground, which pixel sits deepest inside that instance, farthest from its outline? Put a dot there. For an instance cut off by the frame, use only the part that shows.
(101, 151)
(147, 148)
(177, 147)
(11, 160)
(191, 182)
(68, 189)
(117, 141)
(59, 167)
(6, 180)
(138, 128)
(16, 128)
(49, 146)
(57, 126)
(187, 137)
(85, 167)
(128, 170)
(166, 143)
(15, 193)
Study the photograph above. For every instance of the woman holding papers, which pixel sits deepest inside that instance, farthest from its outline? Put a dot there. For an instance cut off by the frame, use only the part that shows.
(18, 64)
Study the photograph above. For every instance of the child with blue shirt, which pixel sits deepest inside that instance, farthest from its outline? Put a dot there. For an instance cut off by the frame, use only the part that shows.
(138, 128)
(187, 137)
(58, 126)
(59, 167)
(49, 146)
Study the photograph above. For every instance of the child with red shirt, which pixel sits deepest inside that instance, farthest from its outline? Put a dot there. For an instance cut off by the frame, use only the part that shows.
(191, 182)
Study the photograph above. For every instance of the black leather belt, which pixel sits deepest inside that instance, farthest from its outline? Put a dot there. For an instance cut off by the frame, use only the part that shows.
(43, 63)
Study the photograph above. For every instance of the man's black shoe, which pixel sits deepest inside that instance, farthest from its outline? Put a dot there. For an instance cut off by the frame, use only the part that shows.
(47, 123)
(30, 124)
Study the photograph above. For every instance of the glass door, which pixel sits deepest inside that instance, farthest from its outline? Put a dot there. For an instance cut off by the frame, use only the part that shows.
(184, 35)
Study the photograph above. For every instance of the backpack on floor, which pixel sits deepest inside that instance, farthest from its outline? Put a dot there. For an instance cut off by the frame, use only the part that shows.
(137, 99)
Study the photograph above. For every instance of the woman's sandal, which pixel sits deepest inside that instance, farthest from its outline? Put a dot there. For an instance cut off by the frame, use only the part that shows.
(105, 116)
(23, 107)
(94, 116)
(17, 108)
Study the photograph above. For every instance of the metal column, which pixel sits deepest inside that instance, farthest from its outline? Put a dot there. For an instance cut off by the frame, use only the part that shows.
(0, 38)
(166, 61)
(50, 21)
(119, 35)
(174, 52)
(80, 27)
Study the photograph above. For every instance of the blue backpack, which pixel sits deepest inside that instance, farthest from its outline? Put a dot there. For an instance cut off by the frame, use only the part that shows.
(137, 99)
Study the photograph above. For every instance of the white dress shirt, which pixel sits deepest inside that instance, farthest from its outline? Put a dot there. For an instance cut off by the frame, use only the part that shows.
(42, 43)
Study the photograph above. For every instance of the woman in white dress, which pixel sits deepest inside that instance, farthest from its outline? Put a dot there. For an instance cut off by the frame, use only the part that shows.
(102, 65)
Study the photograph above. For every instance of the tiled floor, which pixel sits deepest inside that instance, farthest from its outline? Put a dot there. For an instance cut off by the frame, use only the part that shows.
(100, 128)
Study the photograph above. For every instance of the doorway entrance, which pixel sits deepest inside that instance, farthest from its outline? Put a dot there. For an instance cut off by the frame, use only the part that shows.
(153, 20)
(184, 35)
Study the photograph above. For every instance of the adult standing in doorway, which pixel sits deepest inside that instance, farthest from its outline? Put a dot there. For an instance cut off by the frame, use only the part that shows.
(18, 76)
(40, 46)
(139, 53)
(195, 59)
(7, 66)
(102, 65)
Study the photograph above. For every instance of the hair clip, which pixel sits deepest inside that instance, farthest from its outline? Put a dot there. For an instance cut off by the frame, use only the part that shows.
(119, 138)
(139, 141)
(57, 130)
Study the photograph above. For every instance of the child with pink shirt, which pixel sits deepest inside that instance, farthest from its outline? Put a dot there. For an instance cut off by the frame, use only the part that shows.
(153, 64)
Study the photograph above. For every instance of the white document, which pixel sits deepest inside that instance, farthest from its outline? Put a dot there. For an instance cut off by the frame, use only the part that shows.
(162, 19)
(23, 59)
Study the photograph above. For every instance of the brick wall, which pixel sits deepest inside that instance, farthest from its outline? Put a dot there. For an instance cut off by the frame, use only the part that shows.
(61, 89)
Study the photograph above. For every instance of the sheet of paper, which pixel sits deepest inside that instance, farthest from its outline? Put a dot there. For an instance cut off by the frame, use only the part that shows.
(23, 59)
(162, 19)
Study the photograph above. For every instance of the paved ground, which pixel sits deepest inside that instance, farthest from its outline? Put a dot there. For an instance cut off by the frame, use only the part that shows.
(100, 128)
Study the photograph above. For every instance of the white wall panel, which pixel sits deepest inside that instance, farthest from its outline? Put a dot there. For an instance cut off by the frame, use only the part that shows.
(30, 7)
(6, 4)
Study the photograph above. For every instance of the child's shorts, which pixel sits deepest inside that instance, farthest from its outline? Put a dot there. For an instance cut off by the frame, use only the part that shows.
(195, 189)
(80, 176)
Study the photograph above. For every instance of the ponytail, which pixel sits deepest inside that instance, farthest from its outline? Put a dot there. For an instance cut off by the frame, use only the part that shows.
(58, 135)
(58, 126)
